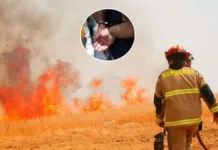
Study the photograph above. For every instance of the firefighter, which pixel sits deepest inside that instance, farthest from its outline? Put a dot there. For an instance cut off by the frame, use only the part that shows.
(177, 99)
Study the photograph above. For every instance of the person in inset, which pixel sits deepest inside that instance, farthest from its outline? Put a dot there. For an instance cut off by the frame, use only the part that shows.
(92, 25)
(177, 100)
(87, 36)
(115, 33)
(83, 38)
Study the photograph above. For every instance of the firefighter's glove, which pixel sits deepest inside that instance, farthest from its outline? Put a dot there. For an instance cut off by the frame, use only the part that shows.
(160, 122)
(215, 118)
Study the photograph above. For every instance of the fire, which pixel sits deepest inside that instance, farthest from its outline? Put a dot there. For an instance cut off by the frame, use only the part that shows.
(96, 101)
(22, 99)
(96, 83)
(134, 95)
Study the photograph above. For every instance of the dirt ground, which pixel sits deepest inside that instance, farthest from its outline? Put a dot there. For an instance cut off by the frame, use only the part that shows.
(126, 128)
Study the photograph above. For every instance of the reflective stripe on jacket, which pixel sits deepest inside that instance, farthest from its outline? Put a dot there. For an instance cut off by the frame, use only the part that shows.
(214, 109)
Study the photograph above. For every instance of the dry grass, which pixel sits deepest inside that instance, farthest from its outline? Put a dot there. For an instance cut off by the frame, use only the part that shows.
(129, 127)
(139, 113)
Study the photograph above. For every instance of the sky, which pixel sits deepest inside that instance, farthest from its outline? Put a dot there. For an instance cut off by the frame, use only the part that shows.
(158, 25)
(191, 24)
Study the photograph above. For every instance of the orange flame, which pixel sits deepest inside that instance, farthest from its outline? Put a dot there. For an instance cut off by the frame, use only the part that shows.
(96, 83)
(24, 100)
(132, 94)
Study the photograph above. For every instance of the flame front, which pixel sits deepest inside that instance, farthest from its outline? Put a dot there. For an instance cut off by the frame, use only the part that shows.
(24, 100)
(134, 95)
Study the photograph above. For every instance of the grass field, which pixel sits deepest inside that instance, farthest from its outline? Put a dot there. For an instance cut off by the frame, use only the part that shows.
(128, 127)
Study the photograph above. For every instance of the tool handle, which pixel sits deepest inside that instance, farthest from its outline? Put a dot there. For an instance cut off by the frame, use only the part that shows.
(200, 126)
(164, 131)
(201, 141)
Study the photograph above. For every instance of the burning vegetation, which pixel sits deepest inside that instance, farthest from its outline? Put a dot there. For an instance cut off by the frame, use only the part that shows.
(23, 99)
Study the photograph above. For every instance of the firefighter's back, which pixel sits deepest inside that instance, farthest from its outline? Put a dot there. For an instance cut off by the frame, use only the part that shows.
(182, 96)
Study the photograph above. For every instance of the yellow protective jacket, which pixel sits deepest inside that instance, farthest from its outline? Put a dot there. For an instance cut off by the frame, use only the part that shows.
(178, 97)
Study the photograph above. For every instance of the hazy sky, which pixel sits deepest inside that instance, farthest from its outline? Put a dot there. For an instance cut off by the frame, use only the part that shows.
(158, 25)
(192, 24)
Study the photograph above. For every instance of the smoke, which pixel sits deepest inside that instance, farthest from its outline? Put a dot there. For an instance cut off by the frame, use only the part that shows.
(51, 30)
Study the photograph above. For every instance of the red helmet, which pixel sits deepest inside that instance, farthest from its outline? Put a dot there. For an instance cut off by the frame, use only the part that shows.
(177, 49)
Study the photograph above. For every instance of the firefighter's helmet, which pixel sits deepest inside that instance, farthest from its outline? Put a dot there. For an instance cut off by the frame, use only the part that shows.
(177, 49)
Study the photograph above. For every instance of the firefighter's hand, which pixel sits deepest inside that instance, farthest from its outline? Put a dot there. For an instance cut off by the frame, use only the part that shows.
(161, 124)
(215, 118)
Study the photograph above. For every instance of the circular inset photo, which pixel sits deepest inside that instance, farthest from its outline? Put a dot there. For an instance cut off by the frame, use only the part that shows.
(107, 34)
